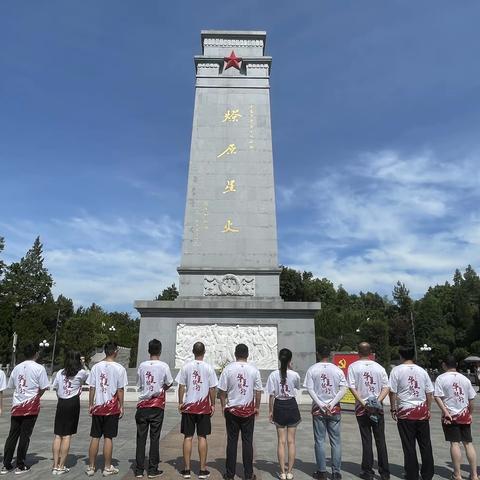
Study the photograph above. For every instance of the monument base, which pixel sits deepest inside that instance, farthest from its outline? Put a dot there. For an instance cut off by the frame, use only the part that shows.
(266, 325)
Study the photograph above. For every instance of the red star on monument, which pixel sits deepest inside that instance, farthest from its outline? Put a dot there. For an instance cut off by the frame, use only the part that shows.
(232, 61)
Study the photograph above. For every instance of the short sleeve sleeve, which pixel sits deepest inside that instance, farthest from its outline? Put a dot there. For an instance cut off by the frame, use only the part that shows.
(298, 381)
(342, 381)
(270, 386)
(43, 382)
(123, 379)
(258, 382)
(393, 384)
(181, 378)
(3, 381)
(222, 382)
(308, 382)
(384, 378)
(438, 390)
(351, 377)
(471, 391)
(56, 381)
(212, 380)
(11, 381)
(428, 383)
(168, 380)
(91, 379)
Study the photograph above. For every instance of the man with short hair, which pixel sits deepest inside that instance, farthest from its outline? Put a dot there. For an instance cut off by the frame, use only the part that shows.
(107, 381)
(29, 381)
(454, 395)
(326, 384)
(197, 383)
(153, 380)
(411, 394)
(242, 384)
(368, 382)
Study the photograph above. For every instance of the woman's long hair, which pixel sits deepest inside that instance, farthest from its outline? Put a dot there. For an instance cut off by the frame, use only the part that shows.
(285, 357)
(72, 364)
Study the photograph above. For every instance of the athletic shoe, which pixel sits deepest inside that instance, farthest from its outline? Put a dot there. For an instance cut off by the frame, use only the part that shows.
(110, 471)
(366, 475)
(90, 471)
(61, 471)
(22, 470)
(289, 476)
(6, 470)
(282, 476)
(139, 475)
(185, 474)
(156, 474)
(320, 475)
(203, 474)
(336, 476)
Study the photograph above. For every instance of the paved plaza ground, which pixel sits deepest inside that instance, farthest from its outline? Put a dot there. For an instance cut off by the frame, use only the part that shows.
(265, 446)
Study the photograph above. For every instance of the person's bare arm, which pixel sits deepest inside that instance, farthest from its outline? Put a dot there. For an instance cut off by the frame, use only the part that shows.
(357, 396)
(429, 400)
(121, 397)
(181, 393)
(91, 399)
(444, 410)
(271, 399)
(393, 405)
(213, 394)
(223, 396)
(470, 406)
(258, 399)
(383, 394)
(41, 391)
(167, 387)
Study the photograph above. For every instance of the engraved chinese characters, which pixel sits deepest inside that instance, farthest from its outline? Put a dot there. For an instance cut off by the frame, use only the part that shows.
(220, 342)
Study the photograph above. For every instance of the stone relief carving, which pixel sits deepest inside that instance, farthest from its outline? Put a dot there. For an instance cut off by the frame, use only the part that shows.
(228, 42)
(229, 285)
(220, 342)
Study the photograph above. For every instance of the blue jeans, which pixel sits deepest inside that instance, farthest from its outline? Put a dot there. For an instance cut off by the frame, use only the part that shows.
(331, 425)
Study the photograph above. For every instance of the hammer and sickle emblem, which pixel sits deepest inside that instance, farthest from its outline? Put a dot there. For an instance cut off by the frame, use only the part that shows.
(342, 363)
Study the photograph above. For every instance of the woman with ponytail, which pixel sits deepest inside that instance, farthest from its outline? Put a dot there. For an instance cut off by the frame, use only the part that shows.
(282, 387)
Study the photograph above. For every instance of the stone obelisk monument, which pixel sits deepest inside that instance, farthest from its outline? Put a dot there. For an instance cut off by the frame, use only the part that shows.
(229, 273)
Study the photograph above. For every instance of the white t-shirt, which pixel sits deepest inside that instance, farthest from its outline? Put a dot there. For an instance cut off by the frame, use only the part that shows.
(152, 375)
(368, 378)
(325, 379)
(27, 379)
(68, 387)
(456, 391)
(107, 378)
(198, 378)
(286, 390)
(411, 384)
(240, 380)
(3, 381)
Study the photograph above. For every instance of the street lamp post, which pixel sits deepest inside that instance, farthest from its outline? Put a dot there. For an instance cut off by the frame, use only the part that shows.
(55, 341)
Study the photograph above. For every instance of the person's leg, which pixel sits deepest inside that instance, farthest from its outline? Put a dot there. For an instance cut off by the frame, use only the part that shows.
(156, 422)
(64, 449)
(319, 429)
(333, 425)
(202, 451)
(11, 441)
(281, 441)
(425, 445)
(57, 441)
(456, 454)
(93, 451)
(142, 432)
(472, 459)
(233, 429)
(107, 452)
(291, 431)
(187, 451)
(365, 427)
(381, 444)
(26, 430)
(247, 426)
(406, 430)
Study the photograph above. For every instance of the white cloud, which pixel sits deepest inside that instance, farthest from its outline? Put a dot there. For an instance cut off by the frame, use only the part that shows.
(384, 218)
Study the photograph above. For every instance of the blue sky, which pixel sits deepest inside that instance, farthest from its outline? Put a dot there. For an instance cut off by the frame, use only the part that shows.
(375, 129)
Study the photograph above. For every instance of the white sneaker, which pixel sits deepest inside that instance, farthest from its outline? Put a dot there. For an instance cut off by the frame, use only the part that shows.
(90, 472)
(5, 470)
(110, 471)
(61, 471)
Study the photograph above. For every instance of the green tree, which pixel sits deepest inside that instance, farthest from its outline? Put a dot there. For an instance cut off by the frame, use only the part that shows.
(169, 293)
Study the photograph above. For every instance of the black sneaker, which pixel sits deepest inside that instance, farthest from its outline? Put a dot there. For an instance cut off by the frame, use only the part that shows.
(320, 475)
(22, 470)
(366, 475)
(336, 476)
(156, 474)
(6, 469)
(185, 474)
(203, 474)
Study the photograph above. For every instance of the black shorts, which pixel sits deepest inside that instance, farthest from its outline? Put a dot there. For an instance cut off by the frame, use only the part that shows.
(456, 432)
(199, 420)
(66, 416)
(104, 425)
(286, 413)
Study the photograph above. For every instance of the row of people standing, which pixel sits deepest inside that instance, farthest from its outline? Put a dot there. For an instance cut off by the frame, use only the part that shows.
(240, 389)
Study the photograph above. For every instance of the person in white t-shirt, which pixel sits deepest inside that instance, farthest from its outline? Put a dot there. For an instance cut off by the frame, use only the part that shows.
(107, 381)
(411, 394)
(368, 382)
(242, 384)
(153, 380)
(197, 383)
(68, 384)
(282, 387)
(454, 395)
(29, 381)
(326, 384)
(3, 386)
